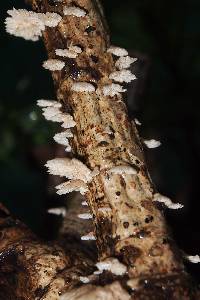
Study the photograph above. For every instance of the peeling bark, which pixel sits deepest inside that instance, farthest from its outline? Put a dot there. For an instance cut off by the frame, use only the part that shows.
(134, 229)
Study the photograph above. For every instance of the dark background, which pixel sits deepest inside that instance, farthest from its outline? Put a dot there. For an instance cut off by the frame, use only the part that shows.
(165, 35)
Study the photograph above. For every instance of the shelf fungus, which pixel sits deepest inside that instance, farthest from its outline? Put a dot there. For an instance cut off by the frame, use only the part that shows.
(75, 49)
(152, 143)
(28, 24)
(53, 64)
(74, 11)
(195, 259)
(137, 122)
(68, 121)
(89, 237)
(69, 168)
(85, 216)
(84, 279)
(62, 139)
(124, 62)
(122, 76)
(113, 265)
(65, 53)
(51, 112)
(165, 200)
(50, 19)
(113, 89)
(63, 136)
(48, 103)
(84, 203)
(121, 170)
(71, 52)
(72, 186)
(118, 51)
(83, 87)
(59, 211)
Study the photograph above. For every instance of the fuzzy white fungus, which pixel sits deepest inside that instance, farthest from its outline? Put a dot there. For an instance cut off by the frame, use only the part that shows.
(85, 216)
(123, 170)
(165, 200)
(28, 24)
(113, 89)
(84, 279)
(113, 265)
(50, 19)
(118, 51)
(25, 24)
(137, 122)
(53, 64)
(62, 138)
(71, 52)
(75, 49)
(195, 259)
(46, 103)
(68, 148)
(84, 203)
(152, 143)
(69, 168)
(89, 237)
(57, 211)
(122, 76)
(83, 87)
(50, 112)
(68, 121)
(97, 272)
(65, 53)
(124, 62)
(74, 11)
(72, 186)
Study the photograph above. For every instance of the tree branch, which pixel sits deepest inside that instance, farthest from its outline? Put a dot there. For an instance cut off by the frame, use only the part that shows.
(129, 225)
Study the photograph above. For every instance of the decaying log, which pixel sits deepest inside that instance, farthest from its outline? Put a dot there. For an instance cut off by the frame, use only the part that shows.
(30, 269)
(129, 225)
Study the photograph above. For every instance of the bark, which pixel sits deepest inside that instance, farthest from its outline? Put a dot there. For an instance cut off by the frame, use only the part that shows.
(134, 229)
(32, 269)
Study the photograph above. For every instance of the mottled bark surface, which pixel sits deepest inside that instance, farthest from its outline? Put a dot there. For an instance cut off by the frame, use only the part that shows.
(134, 229)
(31, 269)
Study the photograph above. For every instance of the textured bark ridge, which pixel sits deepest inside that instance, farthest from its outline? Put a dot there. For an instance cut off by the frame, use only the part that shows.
(129, 225)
